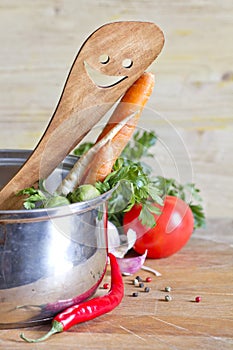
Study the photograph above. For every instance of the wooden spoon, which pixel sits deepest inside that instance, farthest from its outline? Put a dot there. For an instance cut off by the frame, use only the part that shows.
(120, 49)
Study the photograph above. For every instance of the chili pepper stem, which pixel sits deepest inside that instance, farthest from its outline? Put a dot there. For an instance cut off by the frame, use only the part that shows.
(89, 309)
(57, 327)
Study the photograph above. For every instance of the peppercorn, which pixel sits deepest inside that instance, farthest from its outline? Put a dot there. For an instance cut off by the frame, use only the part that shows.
(148, 279)
(167, 289)
(139, 279)
(106, 286)
(147, 289)
(168, 298)
(198, 299)
(135, 294)
(141, 285)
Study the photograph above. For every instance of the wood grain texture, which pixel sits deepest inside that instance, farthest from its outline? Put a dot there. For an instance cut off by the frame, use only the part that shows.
(191, 110)
(203, 268)
(84, 102)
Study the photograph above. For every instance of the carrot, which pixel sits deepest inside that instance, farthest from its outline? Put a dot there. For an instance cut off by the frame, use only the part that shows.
(84, 164)
(101, 165)
(134, 100)
(97, 163)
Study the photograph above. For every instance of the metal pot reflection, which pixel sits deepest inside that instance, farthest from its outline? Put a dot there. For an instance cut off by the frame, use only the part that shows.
(49, 258)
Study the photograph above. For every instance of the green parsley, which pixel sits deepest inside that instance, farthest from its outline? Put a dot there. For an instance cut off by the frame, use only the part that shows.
(134, 187)
(189, 193)
(83, 148)
(34, 197)
(139, 146)
(134, 184)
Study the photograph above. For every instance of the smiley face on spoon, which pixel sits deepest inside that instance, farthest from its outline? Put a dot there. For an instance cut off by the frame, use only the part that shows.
(103, 80)
(114, 56)
(119, 50)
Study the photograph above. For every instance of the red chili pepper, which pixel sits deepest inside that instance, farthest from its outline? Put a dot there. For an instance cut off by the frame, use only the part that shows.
(90, 309)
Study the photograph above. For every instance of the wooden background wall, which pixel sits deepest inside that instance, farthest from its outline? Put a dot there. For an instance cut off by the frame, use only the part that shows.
(191, 107)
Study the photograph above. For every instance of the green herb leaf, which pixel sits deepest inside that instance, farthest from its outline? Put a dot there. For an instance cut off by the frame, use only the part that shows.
(121, 197)
(134, 187)
(83, 148)
(34, 196)
(152, 208)
(146, 217)
(139, 146)
(189, 193)
(29, 205)
(155, 193)
(199, 216)
(135, 184)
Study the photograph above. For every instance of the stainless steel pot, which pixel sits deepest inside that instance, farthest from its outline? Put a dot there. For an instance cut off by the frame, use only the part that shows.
(49, 258)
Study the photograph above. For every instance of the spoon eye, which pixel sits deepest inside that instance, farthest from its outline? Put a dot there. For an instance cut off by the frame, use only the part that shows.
(104, 59)
(127, 63)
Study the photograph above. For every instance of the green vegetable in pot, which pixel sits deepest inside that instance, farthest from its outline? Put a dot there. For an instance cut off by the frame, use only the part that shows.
(83, 193)
(56, 201)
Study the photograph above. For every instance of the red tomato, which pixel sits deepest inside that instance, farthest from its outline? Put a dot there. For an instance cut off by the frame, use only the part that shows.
(173, 229)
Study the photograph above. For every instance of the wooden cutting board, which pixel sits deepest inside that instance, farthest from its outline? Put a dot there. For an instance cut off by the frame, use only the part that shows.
(203, 268)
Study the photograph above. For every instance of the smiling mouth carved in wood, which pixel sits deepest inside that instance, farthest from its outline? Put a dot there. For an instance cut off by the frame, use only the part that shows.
(110, 60)
(104, 80)
(115, 54)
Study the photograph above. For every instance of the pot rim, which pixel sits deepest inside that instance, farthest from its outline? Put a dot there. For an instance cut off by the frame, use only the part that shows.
(41, 214)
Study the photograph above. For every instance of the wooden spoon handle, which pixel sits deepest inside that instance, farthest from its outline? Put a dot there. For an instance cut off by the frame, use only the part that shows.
(130, 47)
(56, 143)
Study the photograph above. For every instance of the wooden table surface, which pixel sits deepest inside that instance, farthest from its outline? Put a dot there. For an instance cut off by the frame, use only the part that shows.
(203, 268)
(191, 111)
(193, 90)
